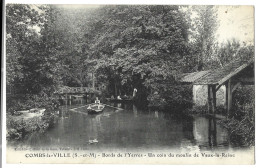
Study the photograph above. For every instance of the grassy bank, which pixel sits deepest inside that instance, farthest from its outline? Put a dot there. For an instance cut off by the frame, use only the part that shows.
(27, 114)
(18, 127)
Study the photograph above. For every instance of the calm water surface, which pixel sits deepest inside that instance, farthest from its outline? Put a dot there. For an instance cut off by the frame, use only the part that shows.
(130, 128)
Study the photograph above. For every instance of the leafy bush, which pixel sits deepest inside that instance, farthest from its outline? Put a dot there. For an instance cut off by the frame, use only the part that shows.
(242, 119)
(18, 128)
(25, 102)
(243, 102)
(156, 100)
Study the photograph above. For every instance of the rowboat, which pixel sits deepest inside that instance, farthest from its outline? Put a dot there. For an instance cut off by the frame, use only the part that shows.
(95, 108)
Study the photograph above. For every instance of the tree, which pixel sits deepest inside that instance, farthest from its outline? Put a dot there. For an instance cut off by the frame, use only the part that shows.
(22, 36)
(203, 25)
(142, 45)
(13, 66)
(63, 36)
(232, 50)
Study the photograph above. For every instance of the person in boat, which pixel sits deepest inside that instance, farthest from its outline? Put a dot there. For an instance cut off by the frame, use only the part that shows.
(125, 97)
(112, 97)
(119, 98)
(98, 102)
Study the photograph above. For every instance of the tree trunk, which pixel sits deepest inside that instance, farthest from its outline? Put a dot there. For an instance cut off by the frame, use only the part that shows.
(93, 81)
(115, 90)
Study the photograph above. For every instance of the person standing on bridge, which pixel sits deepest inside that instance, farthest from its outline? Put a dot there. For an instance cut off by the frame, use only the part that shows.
(134, 92)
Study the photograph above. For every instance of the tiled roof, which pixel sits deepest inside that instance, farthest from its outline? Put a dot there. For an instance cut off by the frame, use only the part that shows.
(218, 76)
(192, 77)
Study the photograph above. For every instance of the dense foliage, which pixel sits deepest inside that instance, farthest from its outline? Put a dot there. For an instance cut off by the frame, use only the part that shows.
(203, 25)
(20, 128)
(242, 119)
(139, 47)
(122, 47)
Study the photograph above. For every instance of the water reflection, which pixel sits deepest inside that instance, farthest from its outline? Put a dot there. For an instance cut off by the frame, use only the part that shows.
(131, 128)
(156, 114)
(135, 110)
(208, 134)
(119, 105)
(212, 133)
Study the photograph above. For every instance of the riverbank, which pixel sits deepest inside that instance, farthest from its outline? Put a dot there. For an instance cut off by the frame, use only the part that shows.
(28, 121)
(240, 123)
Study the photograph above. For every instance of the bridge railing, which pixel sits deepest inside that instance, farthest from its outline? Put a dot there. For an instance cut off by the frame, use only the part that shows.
(65, 90)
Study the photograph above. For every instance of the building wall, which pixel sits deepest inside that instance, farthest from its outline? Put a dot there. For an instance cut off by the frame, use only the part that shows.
(200, 95)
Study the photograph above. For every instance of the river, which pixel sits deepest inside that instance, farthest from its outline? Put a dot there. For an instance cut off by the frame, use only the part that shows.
(127, 127)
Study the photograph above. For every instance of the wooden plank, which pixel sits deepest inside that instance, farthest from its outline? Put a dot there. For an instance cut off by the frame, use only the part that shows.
(218, 87)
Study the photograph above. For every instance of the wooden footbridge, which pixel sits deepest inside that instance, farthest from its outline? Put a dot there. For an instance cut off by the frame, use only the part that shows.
(69, 92)
(232, 75)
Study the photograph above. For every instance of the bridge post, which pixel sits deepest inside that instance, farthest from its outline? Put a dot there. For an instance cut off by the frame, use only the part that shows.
(212, 99)
(209, 99)
(229, 98)
(226, 97)
(214, 105)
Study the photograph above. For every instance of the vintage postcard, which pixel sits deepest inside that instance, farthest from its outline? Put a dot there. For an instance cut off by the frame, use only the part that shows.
(129, 84)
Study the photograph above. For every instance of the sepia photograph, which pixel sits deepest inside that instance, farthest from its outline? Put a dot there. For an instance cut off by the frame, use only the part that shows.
(129, 84)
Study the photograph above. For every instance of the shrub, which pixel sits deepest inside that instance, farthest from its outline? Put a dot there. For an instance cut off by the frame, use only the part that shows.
(171, 96)
(18, 128)
(242, 119)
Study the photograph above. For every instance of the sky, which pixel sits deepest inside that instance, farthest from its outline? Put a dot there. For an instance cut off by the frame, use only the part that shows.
(236, 22)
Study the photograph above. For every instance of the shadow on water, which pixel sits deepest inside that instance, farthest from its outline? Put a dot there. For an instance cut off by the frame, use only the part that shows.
(131, 128)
